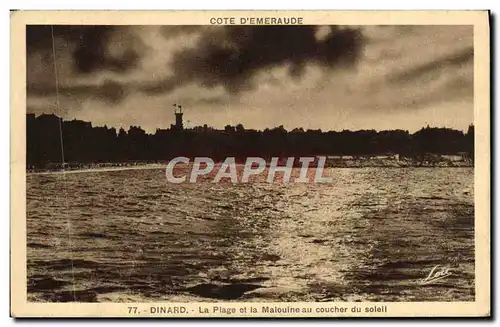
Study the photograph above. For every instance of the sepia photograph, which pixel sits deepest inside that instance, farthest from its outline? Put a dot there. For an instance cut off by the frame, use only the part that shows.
(257, 159)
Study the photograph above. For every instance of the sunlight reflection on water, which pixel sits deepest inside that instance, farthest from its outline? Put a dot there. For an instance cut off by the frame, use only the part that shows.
(368, 236)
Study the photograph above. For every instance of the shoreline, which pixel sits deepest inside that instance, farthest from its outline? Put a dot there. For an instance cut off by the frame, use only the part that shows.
(336, 163)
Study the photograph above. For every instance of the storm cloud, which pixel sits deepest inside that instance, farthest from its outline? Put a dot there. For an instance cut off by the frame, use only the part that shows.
(230, 57)
(89, 46)
(328, 77)
(454, 60)
(109, 91)
(173, 31)
(222, 56)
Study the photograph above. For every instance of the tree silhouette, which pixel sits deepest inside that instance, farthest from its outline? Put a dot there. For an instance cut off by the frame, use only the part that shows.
(85, 144)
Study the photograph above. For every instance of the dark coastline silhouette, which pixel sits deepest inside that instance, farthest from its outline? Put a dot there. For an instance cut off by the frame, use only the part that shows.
(86, 144)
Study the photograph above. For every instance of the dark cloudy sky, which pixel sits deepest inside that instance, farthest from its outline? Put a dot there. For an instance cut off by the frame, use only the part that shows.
(328, 77)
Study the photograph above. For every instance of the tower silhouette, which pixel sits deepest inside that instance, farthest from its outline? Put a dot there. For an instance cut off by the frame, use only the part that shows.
(178, 118)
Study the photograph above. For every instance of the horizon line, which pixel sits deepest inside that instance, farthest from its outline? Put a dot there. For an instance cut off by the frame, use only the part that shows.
(248, 129)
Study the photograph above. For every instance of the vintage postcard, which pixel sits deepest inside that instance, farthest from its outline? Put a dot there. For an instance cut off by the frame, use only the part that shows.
(250, 164)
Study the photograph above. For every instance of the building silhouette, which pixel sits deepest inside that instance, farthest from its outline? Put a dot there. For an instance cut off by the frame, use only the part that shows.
(51, 140)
